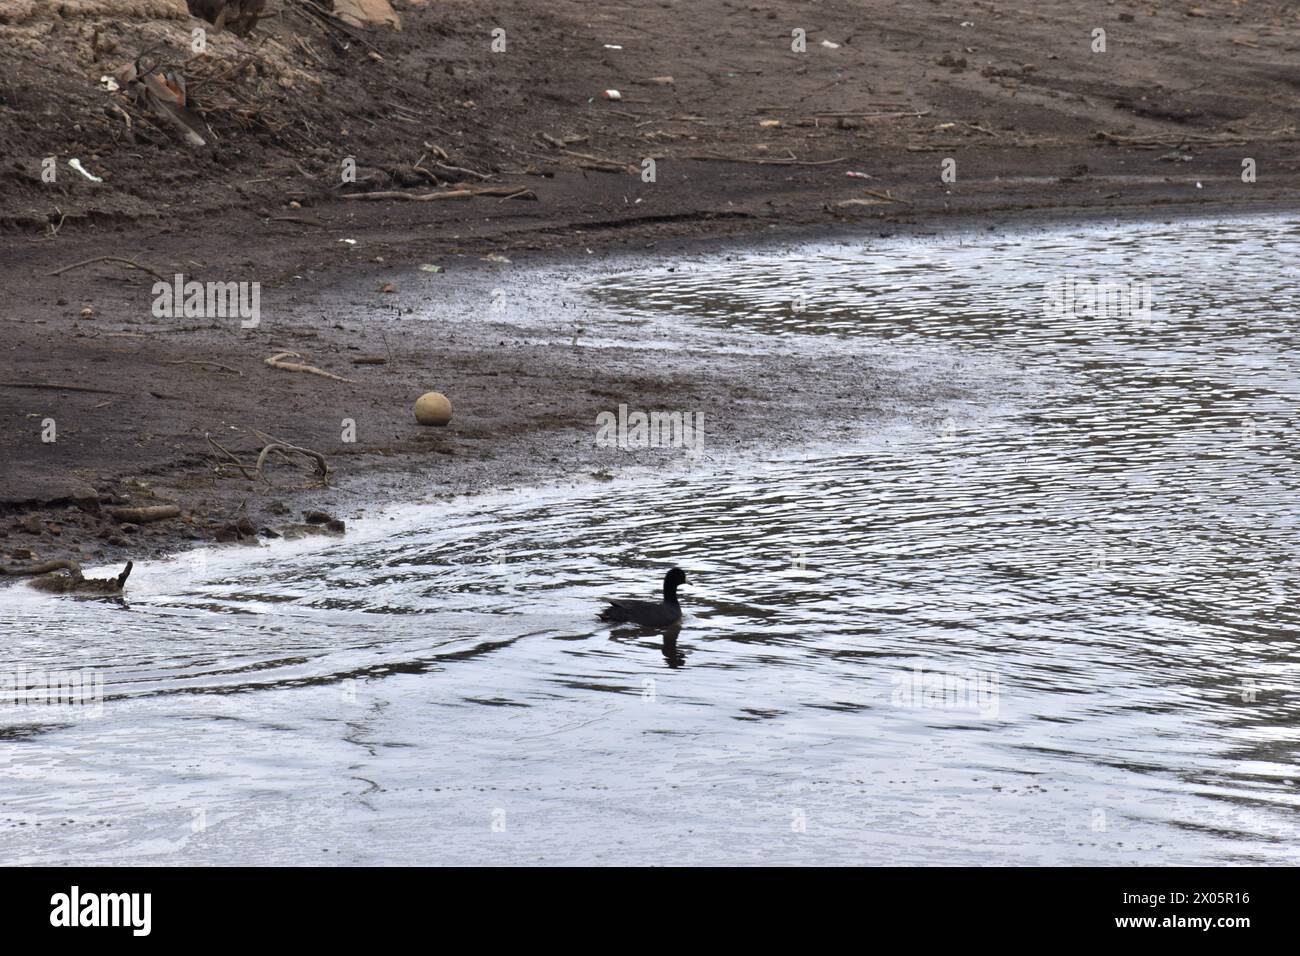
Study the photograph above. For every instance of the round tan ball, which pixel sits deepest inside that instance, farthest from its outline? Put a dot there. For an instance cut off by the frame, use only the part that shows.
(433, 408)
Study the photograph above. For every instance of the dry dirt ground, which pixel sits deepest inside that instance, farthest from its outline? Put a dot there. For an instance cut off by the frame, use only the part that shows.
(749, 138)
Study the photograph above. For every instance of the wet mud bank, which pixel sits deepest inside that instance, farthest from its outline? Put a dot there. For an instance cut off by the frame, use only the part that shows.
(147, 412)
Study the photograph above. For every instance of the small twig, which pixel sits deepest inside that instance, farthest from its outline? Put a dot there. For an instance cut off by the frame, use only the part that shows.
(328, 17)
(462, 169)
(511, 192)
(130, 262)
(769, 162)
(229, 454)
(885, 196)
(898, 115)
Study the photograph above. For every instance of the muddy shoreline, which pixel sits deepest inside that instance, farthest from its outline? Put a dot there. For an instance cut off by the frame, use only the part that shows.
(528, 365)
(527, 368)
(752, 144)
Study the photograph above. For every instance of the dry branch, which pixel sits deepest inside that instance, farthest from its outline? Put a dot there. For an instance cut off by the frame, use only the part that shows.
(322, 468)
(75, 580)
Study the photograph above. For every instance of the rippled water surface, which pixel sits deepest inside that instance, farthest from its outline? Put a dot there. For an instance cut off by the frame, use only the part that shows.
(1099, 573)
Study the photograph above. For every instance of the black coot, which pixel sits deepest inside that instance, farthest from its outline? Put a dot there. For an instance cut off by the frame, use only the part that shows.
(649, 613)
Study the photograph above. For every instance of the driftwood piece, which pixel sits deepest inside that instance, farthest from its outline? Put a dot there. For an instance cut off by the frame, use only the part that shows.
(45, 567)
(73, 582)
(277, 361)
(144, 514)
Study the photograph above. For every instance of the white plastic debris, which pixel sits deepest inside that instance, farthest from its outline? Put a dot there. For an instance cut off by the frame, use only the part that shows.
(350, 242)
(612, 46)
(76, 164)
(829, 45)
(612, 95)
(108, 83)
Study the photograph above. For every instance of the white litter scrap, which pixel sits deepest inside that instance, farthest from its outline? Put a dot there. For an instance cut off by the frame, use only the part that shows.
(108, 83)
(76, 164)
(612, 46)
(829, 45)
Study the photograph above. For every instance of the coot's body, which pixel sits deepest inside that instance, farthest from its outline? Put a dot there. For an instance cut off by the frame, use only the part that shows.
(649, 613)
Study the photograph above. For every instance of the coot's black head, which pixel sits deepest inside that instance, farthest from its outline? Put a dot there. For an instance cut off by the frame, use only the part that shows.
(673, 578)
